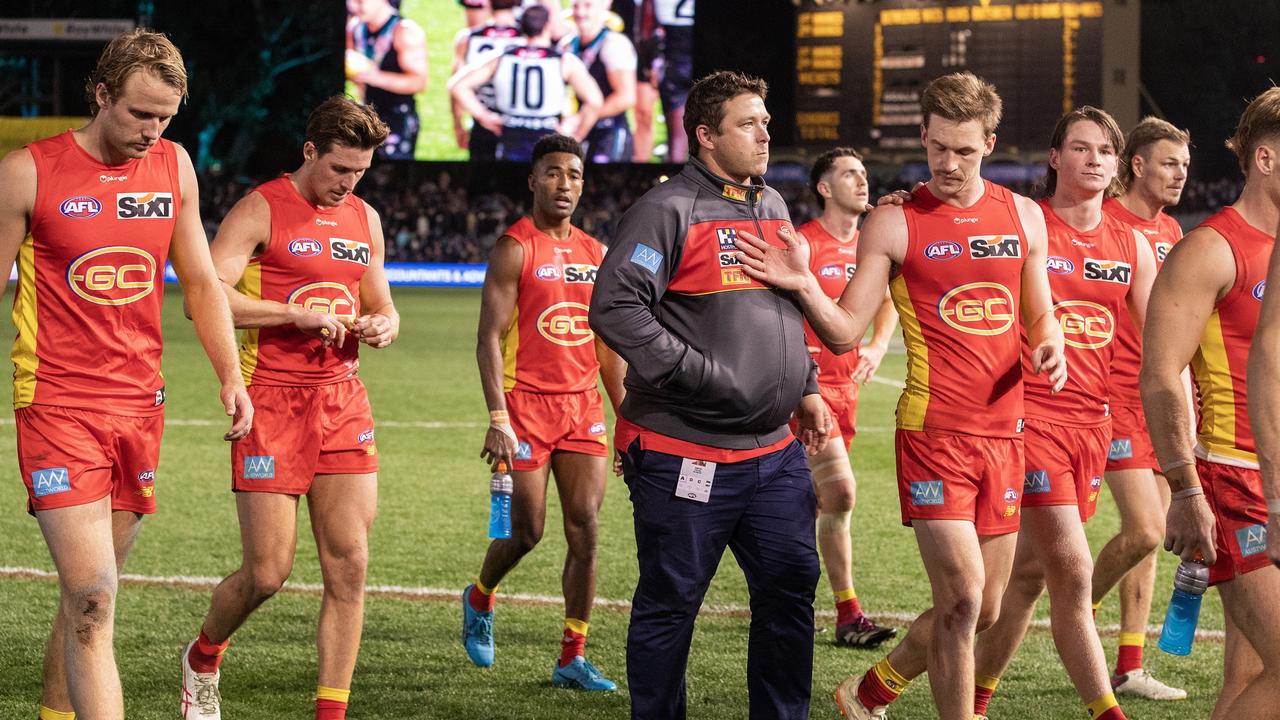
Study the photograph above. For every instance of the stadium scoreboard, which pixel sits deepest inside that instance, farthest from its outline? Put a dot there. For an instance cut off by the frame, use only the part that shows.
(861, 66)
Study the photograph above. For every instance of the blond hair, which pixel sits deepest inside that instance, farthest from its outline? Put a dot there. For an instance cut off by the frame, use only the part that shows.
(960, 97)
(139, 49)
(1260, 121)
(1146, 133)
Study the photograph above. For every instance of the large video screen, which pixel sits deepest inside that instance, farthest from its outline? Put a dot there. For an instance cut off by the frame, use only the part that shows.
(482, 80)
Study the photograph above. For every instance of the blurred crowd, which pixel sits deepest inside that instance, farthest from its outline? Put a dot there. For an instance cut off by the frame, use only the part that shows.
(455, 213)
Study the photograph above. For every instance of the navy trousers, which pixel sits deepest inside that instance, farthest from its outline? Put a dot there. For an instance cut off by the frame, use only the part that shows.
(763, 510)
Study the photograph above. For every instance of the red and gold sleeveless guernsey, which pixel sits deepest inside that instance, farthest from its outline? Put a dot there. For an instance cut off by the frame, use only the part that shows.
(1162, 233)
(1219, 364)
(833, 262)
(91, 280)
(315, 258)
(957, 294)
(1090, 274)
(548, 347)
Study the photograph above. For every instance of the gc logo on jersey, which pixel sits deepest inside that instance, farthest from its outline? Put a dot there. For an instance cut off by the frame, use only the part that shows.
(1085, 324)
(1060, 266)
(1107, 271)
(980, 308)
(144, 205)
(81, 207)
(349, 250)
(943, 250)
(305, 247)
(565, 324)
(326, 297)
(994, 246)
(115, 275)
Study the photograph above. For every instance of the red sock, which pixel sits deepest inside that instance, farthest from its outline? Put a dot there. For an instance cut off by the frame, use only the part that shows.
(572, 645)
(1128, 659)
(1114, 713)
(874, 691)
(981, 699)
(848, 612)
(479, 601)
(206, 655)
(330, 710)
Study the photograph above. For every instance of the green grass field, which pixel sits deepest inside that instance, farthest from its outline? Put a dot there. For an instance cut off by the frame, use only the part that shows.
(430, 533)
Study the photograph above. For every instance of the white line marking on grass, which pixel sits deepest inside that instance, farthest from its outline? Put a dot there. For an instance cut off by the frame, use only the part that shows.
(198, 582)
(886, 381)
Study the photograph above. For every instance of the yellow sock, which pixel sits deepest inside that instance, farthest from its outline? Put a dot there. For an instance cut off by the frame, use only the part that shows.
(577, 625)
(48, 713)
(1136, 639)
(986, 681)
(1096, 606)
(1102, 704)
(485, 590)
(843, 595)
(334, 694)
(893, 680)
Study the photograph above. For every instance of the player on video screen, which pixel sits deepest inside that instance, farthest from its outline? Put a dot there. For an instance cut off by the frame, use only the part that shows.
(611, 60)
(387, 60)
(476, 12)
(675, 69)
(529, 91)
(472, 43)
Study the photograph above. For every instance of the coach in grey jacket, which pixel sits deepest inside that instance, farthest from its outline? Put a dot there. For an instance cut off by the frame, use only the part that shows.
(716, 367)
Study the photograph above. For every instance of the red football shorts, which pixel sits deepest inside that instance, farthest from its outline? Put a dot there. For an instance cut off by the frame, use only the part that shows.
(303, 431)
(1064, 465)
(1240, 515)
(71, 457)
(1130, 445)
(843, 402)
(945, 476)
(545, 422)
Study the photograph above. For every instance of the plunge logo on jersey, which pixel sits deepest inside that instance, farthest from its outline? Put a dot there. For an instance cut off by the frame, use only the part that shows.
(1252, 540)
(927, 492)
(1107, 271)
(115, 275)
(1085, 324)
(980, 308)
(349, 250)
(144, 206)
(565, 324)
(943, 250)
(1060, 266)
(50, 481)
(982, 247)
(325, 297)
(81, 207)
(1036, 482)
(305, 247)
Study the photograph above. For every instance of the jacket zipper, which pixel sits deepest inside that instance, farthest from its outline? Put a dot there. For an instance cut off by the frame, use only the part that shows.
(777, 304)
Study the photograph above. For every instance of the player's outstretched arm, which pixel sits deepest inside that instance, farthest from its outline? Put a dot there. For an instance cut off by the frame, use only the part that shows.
(462, 88)
(18, 178)
(1044, 334)
(247, 230)
(589, 98)
(497, 308)
(1196, 273)
(620, 68)
(872, 353)
(379, 325)
(205, 301)
(411, 50)
(1264, 401)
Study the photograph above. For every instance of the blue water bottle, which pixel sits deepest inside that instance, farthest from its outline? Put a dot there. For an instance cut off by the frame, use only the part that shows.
(500, 487)
(1189, 584)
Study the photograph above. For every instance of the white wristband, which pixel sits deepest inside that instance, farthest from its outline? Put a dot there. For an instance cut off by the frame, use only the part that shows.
(1187, 492)
(1273, 507)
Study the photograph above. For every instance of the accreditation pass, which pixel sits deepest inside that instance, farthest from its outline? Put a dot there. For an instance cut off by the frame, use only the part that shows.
(695, 480)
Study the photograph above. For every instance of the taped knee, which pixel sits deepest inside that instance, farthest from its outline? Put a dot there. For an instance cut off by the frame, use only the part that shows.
(836, 523)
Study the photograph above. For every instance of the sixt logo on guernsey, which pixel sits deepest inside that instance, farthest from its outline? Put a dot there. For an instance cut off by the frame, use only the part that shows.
(580, 274)
(982, 247)
(1036, 482)
(1259, 290)
(565, 324)
(115, 275)
(728, 239)
(349, 250)
(1162, 251)
(305, 247)
(548, 272)
(1252, 539)
(1107, 271)
(144, 206)
(943, 250)
(1060, 265)
(259, 467)
(1085, 324)
(980, 308)
(325, 297)
(81, 207)
(50, 481)
(926, 492)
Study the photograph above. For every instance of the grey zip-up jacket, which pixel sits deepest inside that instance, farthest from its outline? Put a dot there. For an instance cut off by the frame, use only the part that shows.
(714, 357)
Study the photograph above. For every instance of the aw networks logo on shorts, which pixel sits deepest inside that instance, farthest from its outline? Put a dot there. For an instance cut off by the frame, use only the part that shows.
(50, 481)
(1035, 482)
(1121, 449)
(1252, 540)
(926, 492)
(259, 467)
(524, 451)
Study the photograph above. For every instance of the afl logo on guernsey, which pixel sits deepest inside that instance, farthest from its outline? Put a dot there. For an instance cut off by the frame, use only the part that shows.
(326, 297)
(565, 324)
(548, 272)
(943, 250)
(115, 275)
(1259, 289)
(305, 247)
(1085, 324)
(980, 308)
(82, 207)
(1060, 266)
